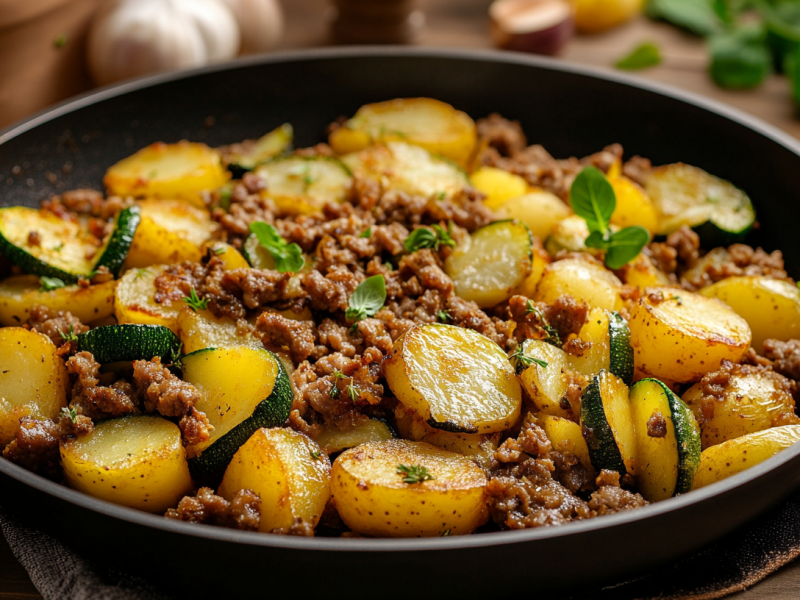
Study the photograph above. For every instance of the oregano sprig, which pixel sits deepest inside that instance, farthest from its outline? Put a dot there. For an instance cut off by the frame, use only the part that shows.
(593, 199)
(423, 237)
(366, 299)
(522, 361)
(414, 473)
(288, 257)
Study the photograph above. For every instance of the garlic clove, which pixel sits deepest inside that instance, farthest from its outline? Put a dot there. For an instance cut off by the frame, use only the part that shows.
(260, 23)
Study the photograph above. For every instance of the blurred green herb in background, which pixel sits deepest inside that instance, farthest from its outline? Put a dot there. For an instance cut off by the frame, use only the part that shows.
(643, 56)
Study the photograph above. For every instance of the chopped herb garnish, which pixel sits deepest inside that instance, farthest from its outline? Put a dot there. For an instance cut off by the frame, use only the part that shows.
(441, 196)
(367, 233)
(141, 273)
(194, 302)
(59, 247)
(338, 375)
(69, 337)
(175, 359)
(352, 391)
(225, 197)
(366, 300)
(443, 316)
(447, 533)
(643, 56)
(315, 454)
(48, 284)
(414, 473)
(427, 238)
(288, 257)
(71, 413)
(60, 41)
(335, 391)
(522, 361)
(551, 333)
(593, 199)
(220, 250)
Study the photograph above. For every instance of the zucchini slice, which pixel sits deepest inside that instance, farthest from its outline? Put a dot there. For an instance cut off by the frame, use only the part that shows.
(667, 441)
(304, 184)
(410, 169)
(608, 425)
(247, 155)
(244, 389)
(720, 212)
(610, 349)
(495, 260)
(128, 342)
(332, 439)
(255, 254)
(63, 249)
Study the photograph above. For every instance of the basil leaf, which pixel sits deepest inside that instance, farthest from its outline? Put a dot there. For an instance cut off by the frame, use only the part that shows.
(625, 245)
(596, 240)
(783, 30)
(791, 66)
(698, 16)
(643, 56)
(48, 284)
(593, 199)
(740, 58)
(288, 257)
(367, 298)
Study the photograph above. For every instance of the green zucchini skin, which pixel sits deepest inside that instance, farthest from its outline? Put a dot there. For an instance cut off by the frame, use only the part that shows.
(687, 434)
(620, 349)
(258, 257)
(116, 249)
(271, 412)
(128, 342)
(603, 449)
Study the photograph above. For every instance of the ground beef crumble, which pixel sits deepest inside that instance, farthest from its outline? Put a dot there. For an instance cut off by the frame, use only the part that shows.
(242, 512)
(57, 325)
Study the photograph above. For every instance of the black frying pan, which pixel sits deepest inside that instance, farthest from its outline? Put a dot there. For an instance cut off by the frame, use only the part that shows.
(571, 111)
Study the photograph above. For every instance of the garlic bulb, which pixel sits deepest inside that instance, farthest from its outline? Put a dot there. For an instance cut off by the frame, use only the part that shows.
(128, 38)
(260, 23)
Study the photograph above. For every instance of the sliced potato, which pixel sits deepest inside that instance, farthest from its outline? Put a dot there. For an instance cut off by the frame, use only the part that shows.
(734, 456)
(748, 402)
(581, 279)
(20, 293)
(642, 273)
(184, 170)
(528, 286)
(201, 329)
(288, 471)
(33, 379)
(332, 439)
(432, 124)
(540, 210)
(170, 231)
(304, 184)
(250, 153)
(771, 307)
(455, 378)
(547, 386)
(634, 206)
(680, 336)
(494, 261)
(373, 499)
(566, 437)
(231, 258)
(135, 301)
(136, 461)
(410, 169)
(498, 185)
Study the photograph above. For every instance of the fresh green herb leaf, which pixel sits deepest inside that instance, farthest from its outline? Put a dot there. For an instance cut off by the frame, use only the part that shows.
(698, 16)
(643, 56)
(71, 413)
(288, 257)
(60, 41)
(224, 201)
(444, 316)
(389, 266)
(315, 454)
(447, 533)
(48, 284)
(69, 337)
(194, 302)
(338, 375)
(782, 21)
(593, 199)
(423, 237)
(220, 250)
(551, 333)
(625, 245)
(141, 273)
(414, 473)
(59, 247)
(441, 196)
(367, 299)
(367, 233)
(175, 359)
(740, 58)
(352, 391)
(522, 361)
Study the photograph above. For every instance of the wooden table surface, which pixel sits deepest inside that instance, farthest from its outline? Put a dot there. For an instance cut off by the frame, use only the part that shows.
(462, 23)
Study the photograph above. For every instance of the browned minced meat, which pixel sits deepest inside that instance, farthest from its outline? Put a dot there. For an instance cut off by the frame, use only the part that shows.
(172, 397)
(34, 239)
(299, 527)
(242, 512)
(97, 401)
(680, 251)
(567, 315)
(610, 498)
(737, 260)
(656, 425)
(57, 325)
(785, 357)
(505, 136)
(637, 169)
(85, 202)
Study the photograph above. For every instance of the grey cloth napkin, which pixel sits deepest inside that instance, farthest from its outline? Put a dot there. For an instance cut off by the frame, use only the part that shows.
(734, 563)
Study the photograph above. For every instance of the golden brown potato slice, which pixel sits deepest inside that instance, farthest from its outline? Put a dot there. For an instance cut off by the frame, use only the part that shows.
(581, 279)
(498, 185)
(399, 488)
(634, 206)
(33, 379)
(135, 301)
(547, 383)
(20, 293)
(454, 378)
(136, 461)
(680, 336)
(540, 210)
(288, 471)
(567, 438)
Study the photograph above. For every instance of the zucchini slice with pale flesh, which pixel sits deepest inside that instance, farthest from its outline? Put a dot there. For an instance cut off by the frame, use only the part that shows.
(608, 425)
(247, 155)
(492, 263)
(43, 244)
(667, 441)
(304, 184)
(610, 349)
(128, 342)
(454, 378)
(332, 439)
(411, 169)
(244, 389)
(720, 212)
(255, 254)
